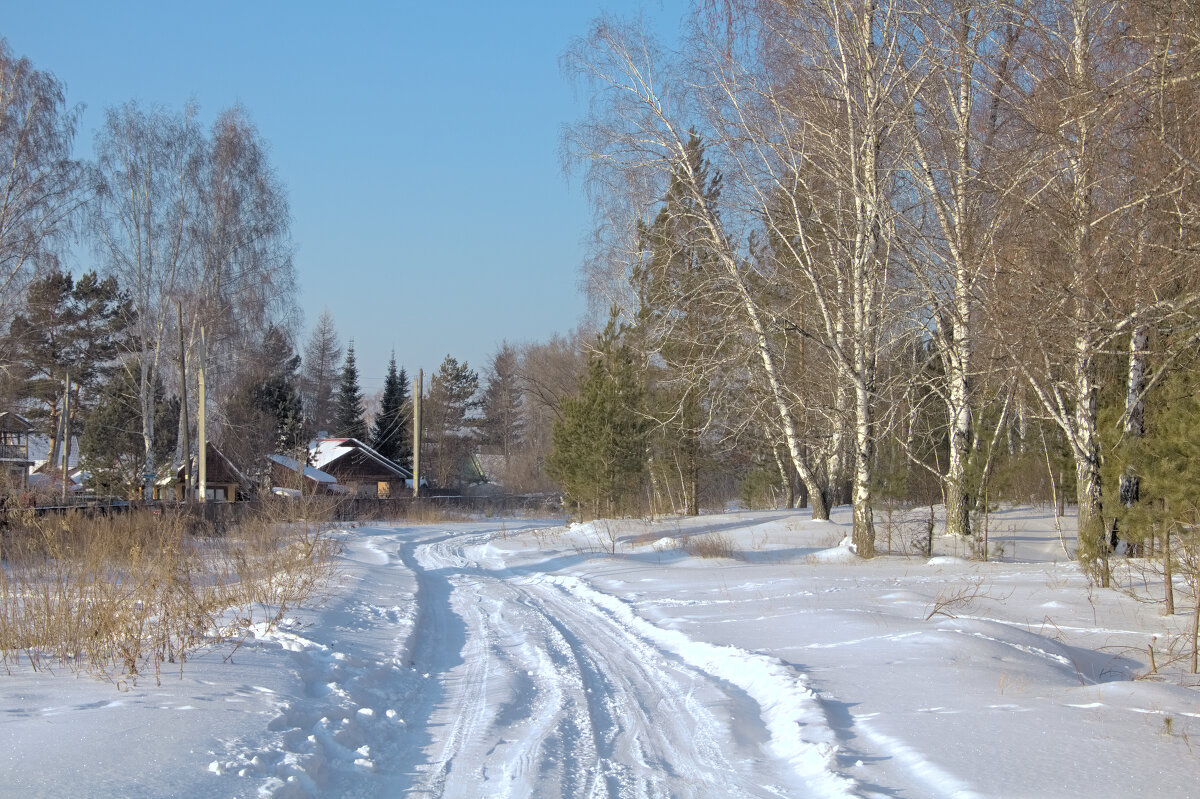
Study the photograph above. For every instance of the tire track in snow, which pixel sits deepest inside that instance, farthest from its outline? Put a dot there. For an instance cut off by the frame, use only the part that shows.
(800, 735)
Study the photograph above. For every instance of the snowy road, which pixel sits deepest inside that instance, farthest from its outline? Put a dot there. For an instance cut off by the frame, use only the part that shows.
(500, 681)
(497, 658)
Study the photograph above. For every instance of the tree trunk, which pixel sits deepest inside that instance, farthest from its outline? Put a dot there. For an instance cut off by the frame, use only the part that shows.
(864, 454)
(1135, 414)
(958, 500)
(1094, 546)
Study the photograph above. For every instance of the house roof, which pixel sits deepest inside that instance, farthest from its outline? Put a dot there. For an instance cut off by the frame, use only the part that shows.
(312, 473)
(13, 423)
(328, 450)
(218, 468)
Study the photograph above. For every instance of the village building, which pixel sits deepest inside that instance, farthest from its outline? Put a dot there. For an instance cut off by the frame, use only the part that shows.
(360, 468)
(223, 482)
(289, 475)
(14, 453)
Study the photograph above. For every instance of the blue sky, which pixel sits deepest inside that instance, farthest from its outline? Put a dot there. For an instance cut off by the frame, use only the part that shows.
(419, 144)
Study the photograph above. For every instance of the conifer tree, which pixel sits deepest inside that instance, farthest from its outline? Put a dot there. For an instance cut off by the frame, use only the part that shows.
(348, 421)
(599, 445)
(111, 448)
(322, 353)
(450, 422)
(503, 422)
(392, 432)
(67, 326)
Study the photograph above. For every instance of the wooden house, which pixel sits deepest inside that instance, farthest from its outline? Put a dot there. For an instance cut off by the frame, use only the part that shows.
(289, 474)
(14, 452)
(223, 481)
(360, 468)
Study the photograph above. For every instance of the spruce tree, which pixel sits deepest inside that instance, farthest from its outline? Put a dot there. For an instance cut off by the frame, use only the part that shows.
(599, 443)
(348, 421)
(392, 432)
(503, 421)
(450, 422)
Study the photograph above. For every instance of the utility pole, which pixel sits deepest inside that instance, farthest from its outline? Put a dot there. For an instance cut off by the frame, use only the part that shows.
(418, 387)
(202, 444)
(187, 444)
(66, 435)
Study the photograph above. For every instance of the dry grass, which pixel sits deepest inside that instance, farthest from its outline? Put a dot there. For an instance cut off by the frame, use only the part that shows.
(427, 512)
(122, 596)
(712, 545)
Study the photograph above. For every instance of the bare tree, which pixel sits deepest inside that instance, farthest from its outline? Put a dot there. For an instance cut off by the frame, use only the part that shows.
(811, 108)
(964, 62)
(40, 186)
(240, 282)
(146, 201)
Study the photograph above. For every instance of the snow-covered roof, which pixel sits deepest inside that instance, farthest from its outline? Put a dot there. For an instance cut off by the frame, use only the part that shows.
(312, 473)
(325, 451)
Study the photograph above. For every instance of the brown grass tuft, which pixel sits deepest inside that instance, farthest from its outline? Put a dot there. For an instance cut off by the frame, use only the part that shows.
(122, 595)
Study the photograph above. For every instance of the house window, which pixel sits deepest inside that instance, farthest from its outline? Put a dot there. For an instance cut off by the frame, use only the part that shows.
(215, 494)
(383, 489)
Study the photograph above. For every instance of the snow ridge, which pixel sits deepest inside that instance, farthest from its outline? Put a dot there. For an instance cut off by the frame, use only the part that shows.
(800, 733)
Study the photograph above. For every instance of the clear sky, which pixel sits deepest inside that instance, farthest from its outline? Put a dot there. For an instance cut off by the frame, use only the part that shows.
(419, 144)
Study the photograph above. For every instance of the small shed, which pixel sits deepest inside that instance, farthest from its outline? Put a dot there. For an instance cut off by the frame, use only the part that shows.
(360, 468)
(14, 452)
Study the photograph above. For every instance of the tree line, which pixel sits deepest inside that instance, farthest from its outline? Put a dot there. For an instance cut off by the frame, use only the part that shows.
(924, 249)
(189, 228)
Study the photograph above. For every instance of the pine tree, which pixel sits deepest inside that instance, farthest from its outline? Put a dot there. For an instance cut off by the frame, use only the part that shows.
(67, 326)
(673, 330)
(392, 432)
(348, 421)
(111, 447)
(599, 449)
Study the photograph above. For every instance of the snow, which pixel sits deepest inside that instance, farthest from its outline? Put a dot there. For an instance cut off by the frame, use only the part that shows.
(314, 474)
(534, 658)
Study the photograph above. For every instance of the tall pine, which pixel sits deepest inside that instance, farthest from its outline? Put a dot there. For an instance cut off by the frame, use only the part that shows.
(348, 421)
(391, 435)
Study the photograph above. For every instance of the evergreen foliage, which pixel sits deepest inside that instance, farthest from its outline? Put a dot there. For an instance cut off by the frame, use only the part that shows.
(111, 446)
(348, 421)
(599, 443)
(451, 424)
(263, 415)
(66, 326)
(391, 434)
(673, 329)
(503, 421)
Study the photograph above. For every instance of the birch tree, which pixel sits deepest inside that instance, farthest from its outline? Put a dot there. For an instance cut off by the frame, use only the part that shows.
(964, 60)
(632, 145)
(812, 120)
(146, 201)
(41, 187)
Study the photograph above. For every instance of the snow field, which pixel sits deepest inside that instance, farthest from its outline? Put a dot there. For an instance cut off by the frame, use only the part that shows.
(538, 659)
